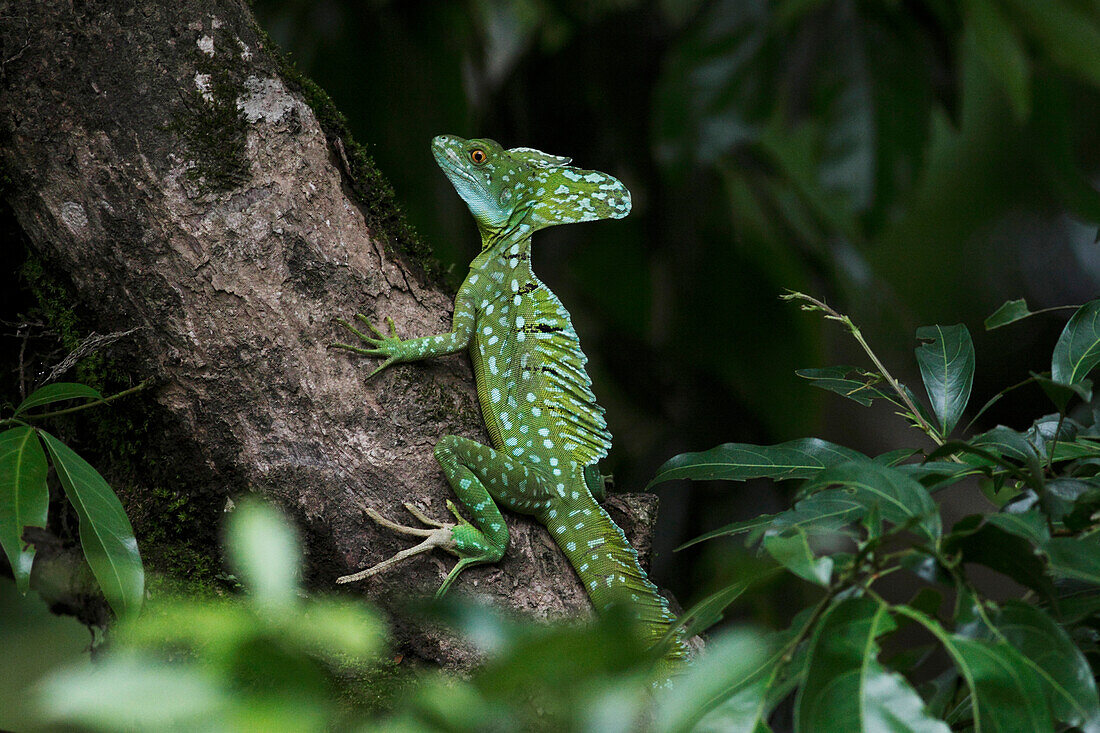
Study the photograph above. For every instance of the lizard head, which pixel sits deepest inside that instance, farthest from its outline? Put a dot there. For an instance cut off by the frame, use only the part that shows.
(522, 189)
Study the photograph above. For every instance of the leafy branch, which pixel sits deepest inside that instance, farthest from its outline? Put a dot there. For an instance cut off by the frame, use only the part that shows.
(1016, 665)
(105, 532)
(902, 393)
(78, 390)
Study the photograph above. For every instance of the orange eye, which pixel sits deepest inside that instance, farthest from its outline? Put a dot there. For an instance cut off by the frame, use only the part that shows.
(478, 156)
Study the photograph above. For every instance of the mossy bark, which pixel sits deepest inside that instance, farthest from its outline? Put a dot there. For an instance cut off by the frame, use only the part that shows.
(191, 184)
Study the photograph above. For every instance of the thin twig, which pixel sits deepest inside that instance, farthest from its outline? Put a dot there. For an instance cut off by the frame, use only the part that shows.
(834, 315)
(93, 343)
(4, 64)
(1054, 441)
(22, 372)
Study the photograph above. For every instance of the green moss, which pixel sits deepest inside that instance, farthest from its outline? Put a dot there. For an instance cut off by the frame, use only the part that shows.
(441, 403)
(371, 190)
(214, 130)
(53, 302)
(174, 533)
(172, 585)
(376, 689)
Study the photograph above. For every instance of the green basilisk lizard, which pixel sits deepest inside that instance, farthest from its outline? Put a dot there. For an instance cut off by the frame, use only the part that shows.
(547, 430)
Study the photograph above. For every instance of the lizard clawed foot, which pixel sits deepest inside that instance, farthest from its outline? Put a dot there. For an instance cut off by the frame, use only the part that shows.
(381, 344)
(442, 537)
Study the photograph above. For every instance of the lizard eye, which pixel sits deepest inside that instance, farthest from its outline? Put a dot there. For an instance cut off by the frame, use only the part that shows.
(478, 156)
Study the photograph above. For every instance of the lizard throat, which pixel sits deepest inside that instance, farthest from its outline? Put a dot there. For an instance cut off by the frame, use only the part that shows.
(512, 241)
(515, 231)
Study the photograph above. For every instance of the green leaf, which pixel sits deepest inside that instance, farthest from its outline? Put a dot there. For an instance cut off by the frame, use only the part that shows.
(743, 712)
(851, 382)
(1060, 394)
(1056, 660)
(707, 612)
(778, 680)
(1007, 543)
(989, 463)
(264, 550)
(846, 688)
(339, 631)
(936, 475)
(57, 392)
(1078, 348)
(216, 627)
(895, 457)
(793, 552)
(1013, 445)
(1075, 557)
(825, 511)
(1070, 450)
(224, 629)
(1031, 526)
(24, 497)
(1083, 515)
(1009, 443)
(105, 532)
(1060, 496)
(742, 461)
(1005, 694)
(730, 530)
(899, 499)
(1004, 54)
(738, 666)
(1075, 608)
(946, 359)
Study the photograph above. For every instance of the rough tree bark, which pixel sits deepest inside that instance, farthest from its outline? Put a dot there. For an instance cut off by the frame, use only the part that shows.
(187, 182)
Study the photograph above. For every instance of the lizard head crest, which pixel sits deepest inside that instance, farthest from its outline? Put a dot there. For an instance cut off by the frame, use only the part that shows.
(524, 189)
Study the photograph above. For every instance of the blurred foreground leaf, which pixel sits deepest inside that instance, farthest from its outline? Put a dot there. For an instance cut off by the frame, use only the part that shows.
(735, 672)
(264, 550)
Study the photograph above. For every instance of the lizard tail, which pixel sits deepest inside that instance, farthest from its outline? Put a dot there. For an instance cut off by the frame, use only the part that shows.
(609, 569)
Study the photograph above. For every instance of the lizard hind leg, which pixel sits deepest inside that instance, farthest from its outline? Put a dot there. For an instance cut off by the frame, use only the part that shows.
(470, 468)
(441, 536)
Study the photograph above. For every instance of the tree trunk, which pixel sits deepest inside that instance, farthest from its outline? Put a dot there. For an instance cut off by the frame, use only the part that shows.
(191, 184)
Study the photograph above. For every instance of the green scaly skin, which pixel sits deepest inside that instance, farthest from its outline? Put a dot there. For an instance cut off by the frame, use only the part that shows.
(547, 430)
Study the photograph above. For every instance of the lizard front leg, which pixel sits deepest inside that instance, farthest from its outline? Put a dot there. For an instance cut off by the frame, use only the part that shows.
(394, 349)
(480, 476)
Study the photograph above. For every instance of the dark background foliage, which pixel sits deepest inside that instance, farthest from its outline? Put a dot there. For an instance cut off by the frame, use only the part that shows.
(912, 162)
